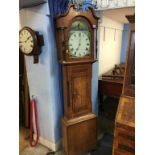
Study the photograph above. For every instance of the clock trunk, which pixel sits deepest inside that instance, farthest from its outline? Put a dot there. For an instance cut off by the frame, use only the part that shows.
(77, 89)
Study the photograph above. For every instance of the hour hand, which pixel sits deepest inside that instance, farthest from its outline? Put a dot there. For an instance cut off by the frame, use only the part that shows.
(28, 38)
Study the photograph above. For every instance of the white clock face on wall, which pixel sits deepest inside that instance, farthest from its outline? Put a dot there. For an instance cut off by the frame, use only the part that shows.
(26, 41)
(79, 44)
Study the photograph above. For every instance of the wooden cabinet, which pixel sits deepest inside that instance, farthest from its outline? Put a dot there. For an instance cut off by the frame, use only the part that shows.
(124, 136)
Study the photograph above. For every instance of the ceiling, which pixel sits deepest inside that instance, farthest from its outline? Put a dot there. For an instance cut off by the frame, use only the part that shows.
(30, 3)
(119, 14)
(115, 14)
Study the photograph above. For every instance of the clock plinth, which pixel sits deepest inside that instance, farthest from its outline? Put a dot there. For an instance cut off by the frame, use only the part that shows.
(75, 33)
(81, 130)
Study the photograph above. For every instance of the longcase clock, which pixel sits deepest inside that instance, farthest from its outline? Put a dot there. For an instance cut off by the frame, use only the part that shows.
(76, 47)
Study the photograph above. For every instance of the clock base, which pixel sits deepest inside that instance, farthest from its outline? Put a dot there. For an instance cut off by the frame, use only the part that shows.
(79, 134)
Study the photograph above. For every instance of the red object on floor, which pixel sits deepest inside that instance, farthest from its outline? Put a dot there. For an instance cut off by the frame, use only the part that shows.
(33, 106)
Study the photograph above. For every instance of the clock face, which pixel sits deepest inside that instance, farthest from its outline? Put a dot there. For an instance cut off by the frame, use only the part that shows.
(79, 40)
(26, 41)
(79, 44)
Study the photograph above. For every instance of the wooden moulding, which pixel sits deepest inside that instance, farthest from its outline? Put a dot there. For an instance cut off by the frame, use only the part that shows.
(72, 13)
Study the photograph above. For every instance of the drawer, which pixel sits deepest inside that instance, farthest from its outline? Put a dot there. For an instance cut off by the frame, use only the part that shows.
(128, 134)
(121, 152)
(122, 141)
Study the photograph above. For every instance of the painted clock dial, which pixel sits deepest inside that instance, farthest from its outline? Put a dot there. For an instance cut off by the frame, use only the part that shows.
(79, 40)
(26, 41)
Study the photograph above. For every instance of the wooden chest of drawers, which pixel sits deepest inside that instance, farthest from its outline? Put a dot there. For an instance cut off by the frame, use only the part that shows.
(124, 136)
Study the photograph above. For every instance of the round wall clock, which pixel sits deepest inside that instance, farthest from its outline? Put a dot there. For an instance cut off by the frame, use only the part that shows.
(30, 42)
(27, 40)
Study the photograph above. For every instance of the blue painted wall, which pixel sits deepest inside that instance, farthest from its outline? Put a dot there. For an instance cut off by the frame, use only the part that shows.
(44, 78)
(95, 88)
(124, 43)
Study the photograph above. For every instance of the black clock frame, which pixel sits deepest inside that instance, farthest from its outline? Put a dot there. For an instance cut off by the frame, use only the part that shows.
(38, 42)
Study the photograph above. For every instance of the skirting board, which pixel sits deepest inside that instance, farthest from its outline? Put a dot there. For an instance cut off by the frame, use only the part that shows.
(49, 144)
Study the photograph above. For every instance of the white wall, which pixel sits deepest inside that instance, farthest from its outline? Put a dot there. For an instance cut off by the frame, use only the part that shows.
(109, 44)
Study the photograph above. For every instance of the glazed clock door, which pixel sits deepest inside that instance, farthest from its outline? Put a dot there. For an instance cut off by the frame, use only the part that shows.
(79, 40)
(79, 89)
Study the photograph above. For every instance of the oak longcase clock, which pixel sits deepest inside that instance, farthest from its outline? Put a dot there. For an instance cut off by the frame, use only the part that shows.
(76, 48)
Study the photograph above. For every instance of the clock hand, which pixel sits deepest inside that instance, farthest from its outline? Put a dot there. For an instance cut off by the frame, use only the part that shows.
(80, 42)
(28, 38)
